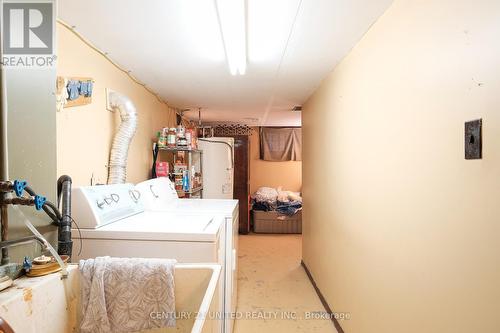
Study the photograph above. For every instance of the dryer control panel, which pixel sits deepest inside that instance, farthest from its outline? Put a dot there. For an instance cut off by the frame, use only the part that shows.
(157, 192)
(95, 206)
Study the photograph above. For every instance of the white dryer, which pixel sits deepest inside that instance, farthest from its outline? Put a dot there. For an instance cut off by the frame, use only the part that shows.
(159, 195)
(112, 222)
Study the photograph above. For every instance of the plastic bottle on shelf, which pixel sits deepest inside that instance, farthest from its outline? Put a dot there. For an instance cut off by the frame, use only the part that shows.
(171, 138)
(193, 178)
(181, 137)
(185, 181)
(162, 139)
(189, 136)
(192, 142)
(181, 132)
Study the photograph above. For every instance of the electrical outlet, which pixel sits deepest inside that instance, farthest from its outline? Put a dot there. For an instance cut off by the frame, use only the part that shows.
(473, 139)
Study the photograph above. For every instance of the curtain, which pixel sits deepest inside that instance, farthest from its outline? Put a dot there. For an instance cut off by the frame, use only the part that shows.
(281, 144)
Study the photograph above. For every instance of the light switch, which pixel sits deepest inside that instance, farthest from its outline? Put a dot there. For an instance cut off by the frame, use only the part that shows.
(473, 139)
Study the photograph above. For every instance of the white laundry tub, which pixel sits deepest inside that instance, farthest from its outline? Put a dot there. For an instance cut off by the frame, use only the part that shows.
(50, 304)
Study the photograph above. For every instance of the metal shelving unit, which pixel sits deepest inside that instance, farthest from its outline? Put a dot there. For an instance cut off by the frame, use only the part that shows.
(189, 163)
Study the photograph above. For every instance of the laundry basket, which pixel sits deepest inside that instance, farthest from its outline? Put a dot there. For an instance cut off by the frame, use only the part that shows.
(275, 223)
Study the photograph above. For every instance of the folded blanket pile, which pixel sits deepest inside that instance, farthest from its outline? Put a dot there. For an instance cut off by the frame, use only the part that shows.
(269, 199)
(289, 208)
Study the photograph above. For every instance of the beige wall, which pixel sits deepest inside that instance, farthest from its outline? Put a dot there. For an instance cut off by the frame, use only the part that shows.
(400, 230)
(288, 174)
(84, 133)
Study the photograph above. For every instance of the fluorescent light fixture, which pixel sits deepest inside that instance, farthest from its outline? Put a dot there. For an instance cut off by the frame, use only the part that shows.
(232, 21)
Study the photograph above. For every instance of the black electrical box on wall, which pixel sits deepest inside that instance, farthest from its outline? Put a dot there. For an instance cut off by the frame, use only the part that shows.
(473, 139)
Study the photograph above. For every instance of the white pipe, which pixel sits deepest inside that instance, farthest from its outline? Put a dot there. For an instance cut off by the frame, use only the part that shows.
(117, 173)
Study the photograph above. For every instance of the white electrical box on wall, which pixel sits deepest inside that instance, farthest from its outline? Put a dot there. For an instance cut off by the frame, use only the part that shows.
(108, 99)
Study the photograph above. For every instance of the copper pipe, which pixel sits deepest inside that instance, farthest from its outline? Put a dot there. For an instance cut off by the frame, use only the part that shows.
(4, 218)
(18, 201)
(6, 186)
(4, 201)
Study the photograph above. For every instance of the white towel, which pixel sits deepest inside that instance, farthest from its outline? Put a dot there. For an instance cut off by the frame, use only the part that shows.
(126, 294)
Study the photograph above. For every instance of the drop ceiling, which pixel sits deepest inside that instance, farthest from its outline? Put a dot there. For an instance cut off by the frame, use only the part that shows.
(175, 47)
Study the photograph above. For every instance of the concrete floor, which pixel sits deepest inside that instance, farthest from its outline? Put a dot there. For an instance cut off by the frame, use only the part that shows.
(273, 287)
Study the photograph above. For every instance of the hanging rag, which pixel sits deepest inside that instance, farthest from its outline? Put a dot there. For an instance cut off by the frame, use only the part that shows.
(280, 144)
(121, 294)
(73, 89)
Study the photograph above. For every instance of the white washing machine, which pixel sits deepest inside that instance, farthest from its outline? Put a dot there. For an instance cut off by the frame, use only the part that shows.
(159, 195)
(112, 222)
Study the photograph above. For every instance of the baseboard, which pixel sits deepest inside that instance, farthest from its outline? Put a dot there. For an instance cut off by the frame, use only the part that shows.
(322, 299)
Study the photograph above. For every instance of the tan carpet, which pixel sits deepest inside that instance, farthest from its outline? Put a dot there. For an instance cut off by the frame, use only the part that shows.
(273, 285)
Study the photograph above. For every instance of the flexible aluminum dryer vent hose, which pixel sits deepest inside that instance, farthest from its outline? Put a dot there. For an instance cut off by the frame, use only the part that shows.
(117, 173)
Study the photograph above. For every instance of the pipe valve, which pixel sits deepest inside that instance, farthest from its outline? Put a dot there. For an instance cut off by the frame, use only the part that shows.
(39, 202)
(19, 186)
